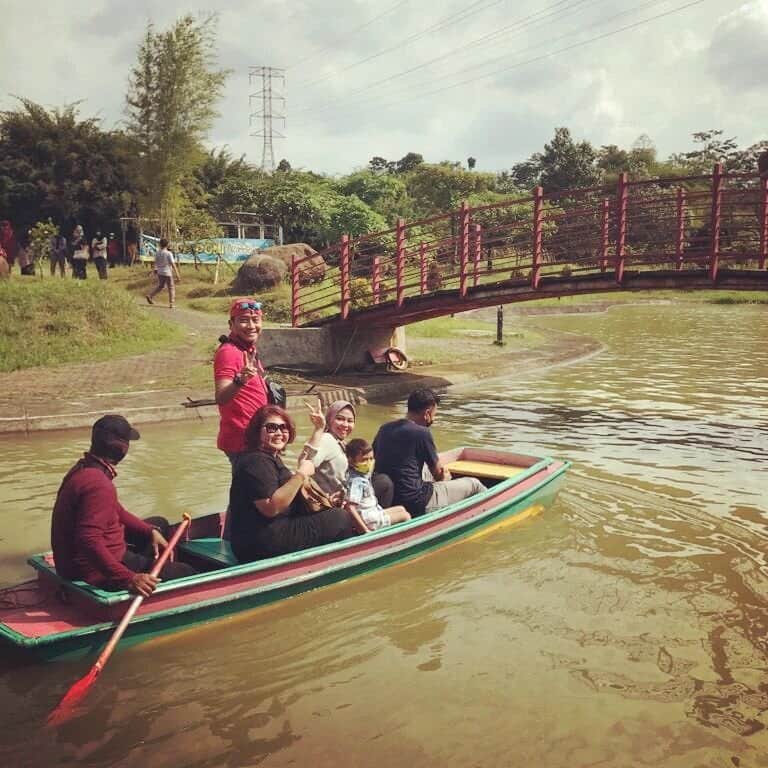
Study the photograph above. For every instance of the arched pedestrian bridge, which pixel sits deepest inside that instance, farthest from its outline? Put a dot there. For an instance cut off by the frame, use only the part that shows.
(677, 233)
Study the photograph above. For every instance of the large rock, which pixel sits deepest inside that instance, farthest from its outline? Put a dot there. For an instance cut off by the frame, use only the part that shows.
(310, 271)
(259, 272)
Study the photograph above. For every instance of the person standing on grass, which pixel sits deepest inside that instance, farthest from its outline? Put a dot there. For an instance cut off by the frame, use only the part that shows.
(78, 248)
(58, 254)
(165, 268)
(99, 254)
(113, 250)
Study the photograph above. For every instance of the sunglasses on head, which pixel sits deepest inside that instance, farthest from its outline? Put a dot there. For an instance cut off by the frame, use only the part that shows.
(255, 305)
(273, 427)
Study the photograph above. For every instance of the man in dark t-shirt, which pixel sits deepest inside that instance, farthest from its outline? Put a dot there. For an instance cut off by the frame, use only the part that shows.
(404, 446)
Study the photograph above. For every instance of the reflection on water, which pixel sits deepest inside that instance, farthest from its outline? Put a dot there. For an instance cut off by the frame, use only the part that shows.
(627, 626)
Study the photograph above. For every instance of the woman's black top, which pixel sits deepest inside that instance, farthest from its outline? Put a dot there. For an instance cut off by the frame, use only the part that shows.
(257, 475)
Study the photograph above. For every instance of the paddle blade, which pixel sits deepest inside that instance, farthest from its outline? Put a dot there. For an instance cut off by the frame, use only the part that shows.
(72, 698)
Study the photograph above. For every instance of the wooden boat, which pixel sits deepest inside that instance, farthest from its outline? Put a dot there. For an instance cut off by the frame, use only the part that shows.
(52, 618)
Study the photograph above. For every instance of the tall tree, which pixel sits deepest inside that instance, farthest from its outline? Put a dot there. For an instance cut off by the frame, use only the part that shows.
(53, 164)
(384, 193)
(566, 164)
(171, 105)
(408, 162)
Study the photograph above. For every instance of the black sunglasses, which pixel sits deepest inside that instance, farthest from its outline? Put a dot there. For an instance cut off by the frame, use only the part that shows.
(273, 427)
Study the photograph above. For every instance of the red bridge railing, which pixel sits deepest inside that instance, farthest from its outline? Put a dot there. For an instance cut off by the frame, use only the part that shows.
(695, 222)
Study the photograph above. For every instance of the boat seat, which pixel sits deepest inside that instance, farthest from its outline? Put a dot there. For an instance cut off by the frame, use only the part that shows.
(483, 469)
(215, 552)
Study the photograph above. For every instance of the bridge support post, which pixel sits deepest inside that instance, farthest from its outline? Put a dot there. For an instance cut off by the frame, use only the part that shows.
(717, 205)
(538, 204)
(376, 280)
(463, 247)
(294, 291)
(763, 221)
(400, 263)
(346, 296)
(680, 239)
(477, 249)
(621, 226)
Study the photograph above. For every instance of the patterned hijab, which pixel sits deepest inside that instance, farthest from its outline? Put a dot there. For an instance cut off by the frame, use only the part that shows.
(333, 411)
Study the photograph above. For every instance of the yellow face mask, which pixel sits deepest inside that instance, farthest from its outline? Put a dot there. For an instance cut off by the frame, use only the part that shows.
(363, 467)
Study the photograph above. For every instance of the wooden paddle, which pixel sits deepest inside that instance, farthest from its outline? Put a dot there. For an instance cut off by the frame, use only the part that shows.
(78, 691)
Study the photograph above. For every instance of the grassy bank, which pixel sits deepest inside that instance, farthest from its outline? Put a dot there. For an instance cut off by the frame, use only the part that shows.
(49, 322)
(447, 339)
(620, 296)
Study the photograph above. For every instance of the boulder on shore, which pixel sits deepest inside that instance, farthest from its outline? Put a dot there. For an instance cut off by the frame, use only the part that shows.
(310, 271)
(259, 272)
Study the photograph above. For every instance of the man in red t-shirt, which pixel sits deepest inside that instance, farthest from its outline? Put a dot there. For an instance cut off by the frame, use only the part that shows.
(237, 373)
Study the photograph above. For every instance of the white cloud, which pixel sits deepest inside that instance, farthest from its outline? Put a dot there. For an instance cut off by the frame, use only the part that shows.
(697, 69)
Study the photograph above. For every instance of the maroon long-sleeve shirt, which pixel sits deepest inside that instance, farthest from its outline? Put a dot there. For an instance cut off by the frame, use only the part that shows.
(89, 526)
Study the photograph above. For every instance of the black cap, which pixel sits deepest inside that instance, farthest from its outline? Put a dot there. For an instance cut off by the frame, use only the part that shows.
(115, 425)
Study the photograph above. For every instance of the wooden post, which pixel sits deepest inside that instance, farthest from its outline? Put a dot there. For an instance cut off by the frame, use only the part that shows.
(400, 264)
(346, 301)
(538, 202)
(763, 221)
(621, 226)
(463, 247)
(422, 268)
(294, 291)
(680, 240)
(714, 221)
(605, 234)
(216, 271)
(376, 283)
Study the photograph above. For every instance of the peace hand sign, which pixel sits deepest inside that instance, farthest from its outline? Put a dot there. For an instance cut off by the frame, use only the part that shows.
(316, 415)
(249, 370)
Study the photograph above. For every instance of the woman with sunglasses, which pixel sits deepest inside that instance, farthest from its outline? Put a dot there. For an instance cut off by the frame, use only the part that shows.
(267, 516)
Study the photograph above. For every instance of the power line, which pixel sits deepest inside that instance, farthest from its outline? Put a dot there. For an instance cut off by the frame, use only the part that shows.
(570, 47)
(517, 25)
(349, 32)
(458, 16)
(549, 54)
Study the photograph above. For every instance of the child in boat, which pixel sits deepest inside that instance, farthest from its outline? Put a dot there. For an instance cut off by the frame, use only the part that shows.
(360, 493)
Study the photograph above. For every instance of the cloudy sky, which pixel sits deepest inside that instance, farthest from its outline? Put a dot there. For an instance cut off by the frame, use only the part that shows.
(446, 78)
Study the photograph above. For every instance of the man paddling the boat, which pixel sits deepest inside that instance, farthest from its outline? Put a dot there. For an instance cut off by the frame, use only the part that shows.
(93, 537)
(403, 447)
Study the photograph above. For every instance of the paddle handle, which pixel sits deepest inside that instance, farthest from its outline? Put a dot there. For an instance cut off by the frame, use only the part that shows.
(137, 601)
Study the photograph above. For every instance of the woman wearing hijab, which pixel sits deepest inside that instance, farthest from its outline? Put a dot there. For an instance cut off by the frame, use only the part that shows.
(326, 448)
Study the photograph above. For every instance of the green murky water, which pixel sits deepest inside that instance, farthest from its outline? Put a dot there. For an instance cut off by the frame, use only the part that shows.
(628, 626)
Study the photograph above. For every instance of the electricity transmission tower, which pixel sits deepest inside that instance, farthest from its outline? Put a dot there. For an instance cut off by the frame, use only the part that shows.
(266, 114)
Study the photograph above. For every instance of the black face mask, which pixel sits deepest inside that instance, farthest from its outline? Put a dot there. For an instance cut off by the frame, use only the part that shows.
(112, 450)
